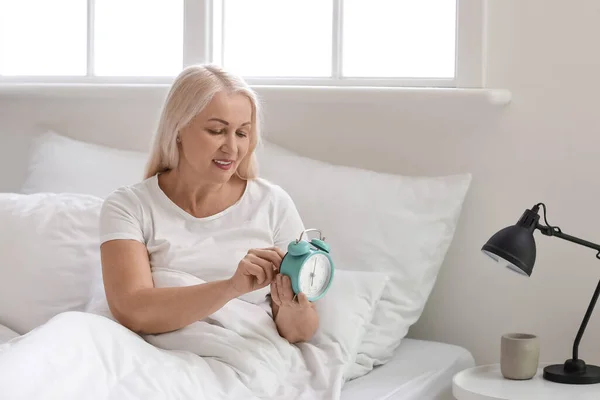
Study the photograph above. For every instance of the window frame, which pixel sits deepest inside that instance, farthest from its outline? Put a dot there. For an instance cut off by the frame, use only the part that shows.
(198, 48)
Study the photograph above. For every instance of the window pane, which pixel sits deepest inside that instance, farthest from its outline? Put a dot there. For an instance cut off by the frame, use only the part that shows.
(138, 37)
(277, 38)
(42, 37)
(399, 38)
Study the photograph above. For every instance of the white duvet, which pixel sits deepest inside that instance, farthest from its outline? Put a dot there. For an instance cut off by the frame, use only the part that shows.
(237, 353)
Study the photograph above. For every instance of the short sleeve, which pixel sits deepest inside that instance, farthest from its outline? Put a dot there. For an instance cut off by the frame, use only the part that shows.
(288, 224)
(121, 217)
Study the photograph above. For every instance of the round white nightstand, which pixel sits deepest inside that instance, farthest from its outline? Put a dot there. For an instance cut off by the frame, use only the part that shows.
(487, 383)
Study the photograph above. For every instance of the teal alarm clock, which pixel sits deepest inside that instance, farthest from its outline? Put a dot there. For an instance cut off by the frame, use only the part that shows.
(309, 266)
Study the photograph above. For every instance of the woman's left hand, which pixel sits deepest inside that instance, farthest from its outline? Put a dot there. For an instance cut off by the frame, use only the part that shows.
(283, 294)
(295, 316)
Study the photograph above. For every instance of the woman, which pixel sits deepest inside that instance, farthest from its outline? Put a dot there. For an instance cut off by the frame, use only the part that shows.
(201, 209)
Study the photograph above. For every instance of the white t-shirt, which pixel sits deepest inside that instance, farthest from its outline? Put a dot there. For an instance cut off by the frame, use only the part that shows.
(209, 248)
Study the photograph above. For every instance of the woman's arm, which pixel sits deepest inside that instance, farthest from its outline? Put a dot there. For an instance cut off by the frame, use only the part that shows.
(138, 305)
(297, 319)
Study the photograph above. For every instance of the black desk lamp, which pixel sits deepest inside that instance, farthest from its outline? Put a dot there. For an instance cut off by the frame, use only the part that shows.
(515, 246)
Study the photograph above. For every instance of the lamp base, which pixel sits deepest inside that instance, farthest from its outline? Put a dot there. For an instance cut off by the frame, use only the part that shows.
(572, 372)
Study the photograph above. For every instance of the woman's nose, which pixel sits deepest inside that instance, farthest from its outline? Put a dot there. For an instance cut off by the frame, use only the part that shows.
(229, 145)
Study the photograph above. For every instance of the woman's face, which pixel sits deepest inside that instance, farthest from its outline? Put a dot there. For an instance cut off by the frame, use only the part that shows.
(215, 142)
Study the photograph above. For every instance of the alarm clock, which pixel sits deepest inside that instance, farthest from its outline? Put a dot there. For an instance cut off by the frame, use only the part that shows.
(309, 266)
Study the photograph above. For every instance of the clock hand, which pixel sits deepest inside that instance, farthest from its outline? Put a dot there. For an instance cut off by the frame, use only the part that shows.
(312, 277)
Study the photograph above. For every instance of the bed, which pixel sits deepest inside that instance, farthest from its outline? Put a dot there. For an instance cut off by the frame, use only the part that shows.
(419, 370)
(379, 291)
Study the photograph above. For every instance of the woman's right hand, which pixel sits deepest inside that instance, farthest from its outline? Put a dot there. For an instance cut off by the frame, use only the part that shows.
(256, 270)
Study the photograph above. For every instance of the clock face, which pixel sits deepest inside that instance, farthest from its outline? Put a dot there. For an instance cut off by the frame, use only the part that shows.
(315, 275)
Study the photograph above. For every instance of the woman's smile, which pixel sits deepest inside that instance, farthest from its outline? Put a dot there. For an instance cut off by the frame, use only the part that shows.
(223, 163)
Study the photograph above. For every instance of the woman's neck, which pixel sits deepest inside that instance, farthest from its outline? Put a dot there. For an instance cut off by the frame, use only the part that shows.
(197, 197)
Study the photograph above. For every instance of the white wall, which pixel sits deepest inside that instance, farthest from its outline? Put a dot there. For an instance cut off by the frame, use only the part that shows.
(543, 147)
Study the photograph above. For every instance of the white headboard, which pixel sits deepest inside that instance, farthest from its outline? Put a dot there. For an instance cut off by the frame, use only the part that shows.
(401, 131)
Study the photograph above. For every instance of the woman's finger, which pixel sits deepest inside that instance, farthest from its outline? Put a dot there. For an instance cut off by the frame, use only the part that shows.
(288, 290)
(275, 293)
(303, 300)
(270, 255)
(254, 270)
(281, 290)
(287, 286)
(278, 251)
(266, 265)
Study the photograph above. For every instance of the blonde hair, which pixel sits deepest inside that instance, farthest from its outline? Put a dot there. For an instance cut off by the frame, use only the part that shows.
(191, 91)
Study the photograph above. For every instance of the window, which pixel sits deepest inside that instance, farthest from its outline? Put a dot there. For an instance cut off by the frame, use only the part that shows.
(271, 38)
(398, 38)
(90, 38)
(311, 42)
(129, 42)
(60, 50)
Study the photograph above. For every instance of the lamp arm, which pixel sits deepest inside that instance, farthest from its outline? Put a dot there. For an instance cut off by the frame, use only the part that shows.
(585, 321)
(555, 231)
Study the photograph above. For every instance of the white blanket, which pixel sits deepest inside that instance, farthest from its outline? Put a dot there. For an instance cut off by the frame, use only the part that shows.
(235, 354)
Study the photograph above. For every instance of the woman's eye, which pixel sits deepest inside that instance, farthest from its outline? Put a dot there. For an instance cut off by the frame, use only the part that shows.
(215, 132)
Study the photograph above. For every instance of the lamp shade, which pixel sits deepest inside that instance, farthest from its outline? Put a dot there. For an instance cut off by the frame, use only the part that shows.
(514, 246)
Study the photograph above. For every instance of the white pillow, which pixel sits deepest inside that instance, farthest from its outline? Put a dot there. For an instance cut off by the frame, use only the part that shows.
(60, 164)
(50, 256)
(396, 224)
(346, 310)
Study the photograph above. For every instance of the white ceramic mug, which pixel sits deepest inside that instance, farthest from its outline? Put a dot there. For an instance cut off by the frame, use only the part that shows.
(519, 355)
